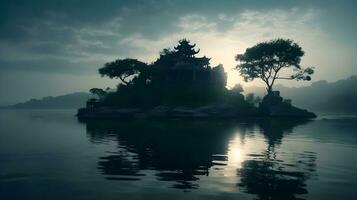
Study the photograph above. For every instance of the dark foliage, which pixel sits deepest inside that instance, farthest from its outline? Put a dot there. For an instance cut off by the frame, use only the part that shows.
(177, 77)
(122, 69)
(99, 92)
(266, 61)
(180, 78)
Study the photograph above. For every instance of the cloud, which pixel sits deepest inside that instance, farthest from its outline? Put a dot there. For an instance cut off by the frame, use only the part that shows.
(46, 43)
(194, 23)
(66, 37)
(245, 29)
(225, 17)
(53, 42)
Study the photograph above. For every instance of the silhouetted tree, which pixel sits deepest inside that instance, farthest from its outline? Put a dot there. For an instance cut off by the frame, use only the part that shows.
(265, 60)
(252, 99)
(122, 69)
(177, 77)
(237, 88)
(99, 92)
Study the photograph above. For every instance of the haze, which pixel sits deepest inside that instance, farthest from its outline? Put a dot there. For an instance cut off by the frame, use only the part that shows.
(56, 47)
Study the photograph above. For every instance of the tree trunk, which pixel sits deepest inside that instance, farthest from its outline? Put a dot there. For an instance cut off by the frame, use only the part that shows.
(269, 89)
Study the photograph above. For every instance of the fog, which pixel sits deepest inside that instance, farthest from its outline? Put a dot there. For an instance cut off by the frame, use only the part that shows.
(53, 48)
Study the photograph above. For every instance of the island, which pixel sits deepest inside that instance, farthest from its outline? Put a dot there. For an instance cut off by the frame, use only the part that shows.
(179, 84)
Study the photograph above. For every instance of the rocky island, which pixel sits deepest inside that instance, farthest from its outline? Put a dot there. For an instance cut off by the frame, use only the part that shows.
(181, 85)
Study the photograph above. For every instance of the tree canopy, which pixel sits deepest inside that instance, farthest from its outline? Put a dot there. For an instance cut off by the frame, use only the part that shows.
(177, 76)
(99, 92)
(266, 61)
(122, 69)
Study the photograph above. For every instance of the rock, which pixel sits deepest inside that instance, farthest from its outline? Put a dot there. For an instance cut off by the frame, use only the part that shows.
(159, 111)
(274, 106)
(218, 110)
(141, 115)
(108, 112)
(182, 112)
(127, 111)
(201, 115)
(284, 110)
(186, 112)
(271, 99)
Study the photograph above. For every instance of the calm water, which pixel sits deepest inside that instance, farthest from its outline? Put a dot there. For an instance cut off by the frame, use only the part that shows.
(50, 155)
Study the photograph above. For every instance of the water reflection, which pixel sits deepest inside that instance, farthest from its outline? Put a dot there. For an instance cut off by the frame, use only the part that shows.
(178, 151)
(273, 179)
(277, 175)
(183, 152)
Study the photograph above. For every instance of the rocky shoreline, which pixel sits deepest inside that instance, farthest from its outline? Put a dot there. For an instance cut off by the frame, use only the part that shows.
(203, 112)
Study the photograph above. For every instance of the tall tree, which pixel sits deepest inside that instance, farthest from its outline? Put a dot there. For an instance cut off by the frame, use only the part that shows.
(266, 61)
(122, 69)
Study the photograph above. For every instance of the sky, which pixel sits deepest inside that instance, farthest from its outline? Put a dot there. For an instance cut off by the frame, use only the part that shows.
(49, 47)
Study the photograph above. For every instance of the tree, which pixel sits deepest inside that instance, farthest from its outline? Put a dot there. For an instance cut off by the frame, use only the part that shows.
(99, 92)
(237, 88)
(252, 99)
(122, 69)
(266, 61)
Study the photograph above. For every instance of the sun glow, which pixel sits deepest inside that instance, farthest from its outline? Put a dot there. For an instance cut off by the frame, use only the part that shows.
(235, 152)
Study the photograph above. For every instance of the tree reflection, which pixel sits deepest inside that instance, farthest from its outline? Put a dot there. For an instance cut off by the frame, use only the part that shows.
(181, 152)
(178, 151)
(271, 177)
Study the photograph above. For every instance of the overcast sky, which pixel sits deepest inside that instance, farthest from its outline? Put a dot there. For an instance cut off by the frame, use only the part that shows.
(56, 47)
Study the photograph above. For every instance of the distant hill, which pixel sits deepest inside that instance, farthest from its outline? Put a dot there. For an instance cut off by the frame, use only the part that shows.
(74, 100)
(320, 96)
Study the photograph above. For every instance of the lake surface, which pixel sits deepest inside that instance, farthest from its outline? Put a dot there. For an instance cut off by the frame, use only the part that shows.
(49, 154)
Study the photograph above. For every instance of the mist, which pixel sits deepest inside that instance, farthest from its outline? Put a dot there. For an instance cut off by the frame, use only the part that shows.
(54, 48)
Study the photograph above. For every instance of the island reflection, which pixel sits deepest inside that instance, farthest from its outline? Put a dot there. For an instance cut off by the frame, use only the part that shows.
(182, 152)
